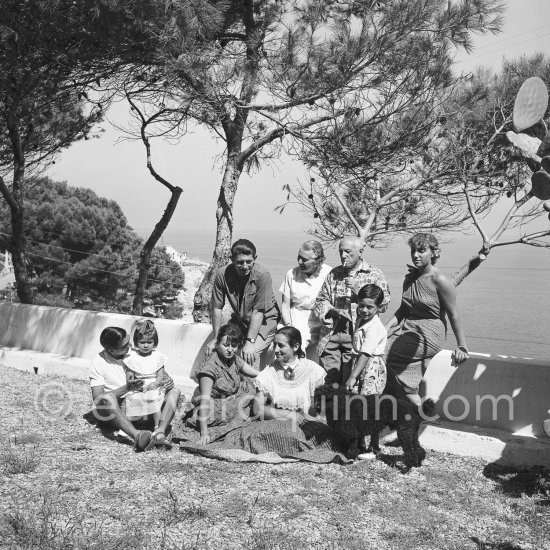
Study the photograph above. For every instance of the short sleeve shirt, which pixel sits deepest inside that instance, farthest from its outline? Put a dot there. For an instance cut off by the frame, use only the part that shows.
(257, 294)
(107, 371)
(226, 378)
(370, 338)
(302, 290)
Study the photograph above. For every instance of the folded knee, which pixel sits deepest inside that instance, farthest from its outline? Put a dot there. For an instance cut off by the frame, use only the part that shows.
(106, 403)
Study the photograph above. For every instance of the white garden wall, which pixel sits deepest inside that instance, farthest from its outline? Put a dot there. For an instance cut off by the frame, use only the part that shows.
(497, 402)
(63, 341)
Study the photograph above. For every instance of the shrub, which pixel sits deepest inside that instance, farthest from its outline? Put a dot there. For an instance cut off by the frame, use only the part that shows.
(18, 457)
(53, 300)
(174, 310)
(50, 528)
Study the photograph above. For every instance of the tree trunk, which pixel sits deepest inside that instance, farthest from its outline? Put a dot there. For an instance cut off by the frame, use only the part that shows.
(20, 271)
(17, 241)
(224, 235)
(147, 250)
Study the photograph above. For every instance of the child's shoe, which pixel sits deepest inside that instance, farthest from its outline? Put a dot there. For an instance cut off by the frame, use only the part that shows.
(144, 441)
(369, 454)
(160, 440)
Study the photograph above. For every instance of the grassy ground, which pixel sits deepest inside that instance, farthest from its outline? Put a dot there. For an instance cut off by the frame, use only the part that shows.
(63, 485)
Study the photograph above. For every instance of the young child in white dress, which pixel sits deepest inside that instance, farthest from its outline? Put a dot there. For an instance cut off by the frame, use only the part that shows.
(146, 363)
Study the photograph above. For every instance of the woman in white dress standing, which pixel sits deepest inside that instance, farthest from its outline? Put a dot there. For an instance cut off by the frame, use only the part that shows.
(299, 291)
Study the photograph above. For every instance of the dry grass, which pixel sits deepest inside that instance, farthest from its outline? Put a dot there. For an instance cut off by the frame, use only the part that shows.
(19, 455)
(78, 490)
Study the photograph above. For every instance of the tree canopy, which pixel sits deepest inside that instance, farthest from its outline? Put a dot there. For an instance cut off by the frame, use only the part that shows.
(440, 168)
(82, 243)
(280, 73)
(53, 55)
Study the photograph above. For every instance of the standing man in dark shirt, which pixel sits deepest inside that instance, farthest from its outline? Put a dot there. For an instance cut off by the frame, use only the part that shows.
(247, 287)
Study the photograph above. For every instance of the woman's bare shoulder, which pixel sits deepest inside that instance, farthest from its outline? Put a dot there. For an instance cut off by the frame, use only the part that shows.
(440, 280)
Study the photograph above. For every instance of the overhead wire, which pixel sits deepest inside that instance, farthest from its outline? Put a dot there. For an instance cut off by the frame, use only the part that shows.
(87, 254)
(471, 58)
(71, 249)
(94, 268)
(513, 36)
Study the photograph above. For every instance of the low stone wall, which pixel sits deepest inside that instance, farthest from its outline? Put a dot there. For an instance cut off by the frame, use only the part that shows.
(499, 402)
(495, 392)
(54, 340)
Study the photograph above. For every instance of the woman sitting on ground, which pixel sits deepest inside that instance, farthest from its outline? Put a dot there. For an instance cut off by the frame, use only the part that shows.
(299, 291)
(225, 381)
(285, 388)
(281, 407)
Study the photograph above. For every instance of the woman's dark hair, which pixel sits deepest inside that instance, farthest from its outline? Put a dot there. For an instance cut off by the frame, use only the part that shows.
(111, 337)
(233, 333)
(145, 328)
(426, 240)
(373, 292)
(293, 337)
(243, 246)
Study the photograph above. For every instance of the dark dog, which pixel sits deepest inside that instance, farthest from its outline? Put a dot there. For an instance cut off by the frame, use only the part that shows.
(356, 416)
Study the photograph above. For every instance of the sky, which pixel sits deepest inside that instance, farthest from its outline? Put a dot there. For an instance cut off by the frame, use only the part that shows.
(115, 167)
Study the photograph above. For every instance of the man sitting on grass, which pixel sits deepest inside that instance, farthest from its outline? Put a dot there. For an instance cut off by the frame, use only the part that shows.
(109, 387)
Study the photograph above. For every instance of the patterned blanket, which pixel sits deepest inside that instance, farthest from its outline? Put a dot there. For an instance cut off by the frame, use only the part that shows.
(274, 442)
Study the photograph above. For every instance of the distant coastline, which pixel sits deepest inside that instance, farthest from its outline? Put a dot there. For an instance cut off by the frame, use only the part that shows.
(505, 304)
(194, 271)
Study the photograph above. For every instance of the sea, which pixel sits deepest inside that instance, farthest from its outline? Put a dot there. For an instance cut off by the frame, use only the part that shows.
(504, 305)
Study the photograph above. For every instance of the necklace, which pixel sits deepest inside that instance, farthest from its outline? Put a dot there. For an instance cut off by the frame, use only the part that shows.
(289, 374)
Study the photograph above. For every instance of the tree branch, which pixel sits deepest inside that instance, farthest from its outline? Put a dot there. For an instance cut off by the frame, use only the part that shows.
(283, 106)
(144, 123)
(350, 216)
(473, 215)
(525, 239)
(281, 131)
(506, 220)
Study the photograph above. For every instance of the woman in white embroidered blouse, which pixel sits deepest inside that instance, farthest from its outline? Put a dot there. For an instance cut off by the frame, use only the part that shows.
(281, 424)
(285, 388)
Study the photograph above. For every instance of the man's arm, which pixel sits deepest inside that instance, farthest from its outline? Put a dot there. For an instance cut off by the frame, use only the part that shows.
(216, 324)
(263, 301)
(131, 385)
(249, 349)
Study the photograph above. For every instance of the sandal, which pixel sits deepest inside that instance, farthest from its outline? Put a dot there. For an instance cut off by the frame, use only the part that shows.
(144, 441)
(161, 440)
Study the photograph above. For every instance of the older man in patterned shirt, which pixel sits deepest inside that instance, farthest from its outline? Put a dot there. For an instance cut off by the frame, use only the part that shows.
(336, 306)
